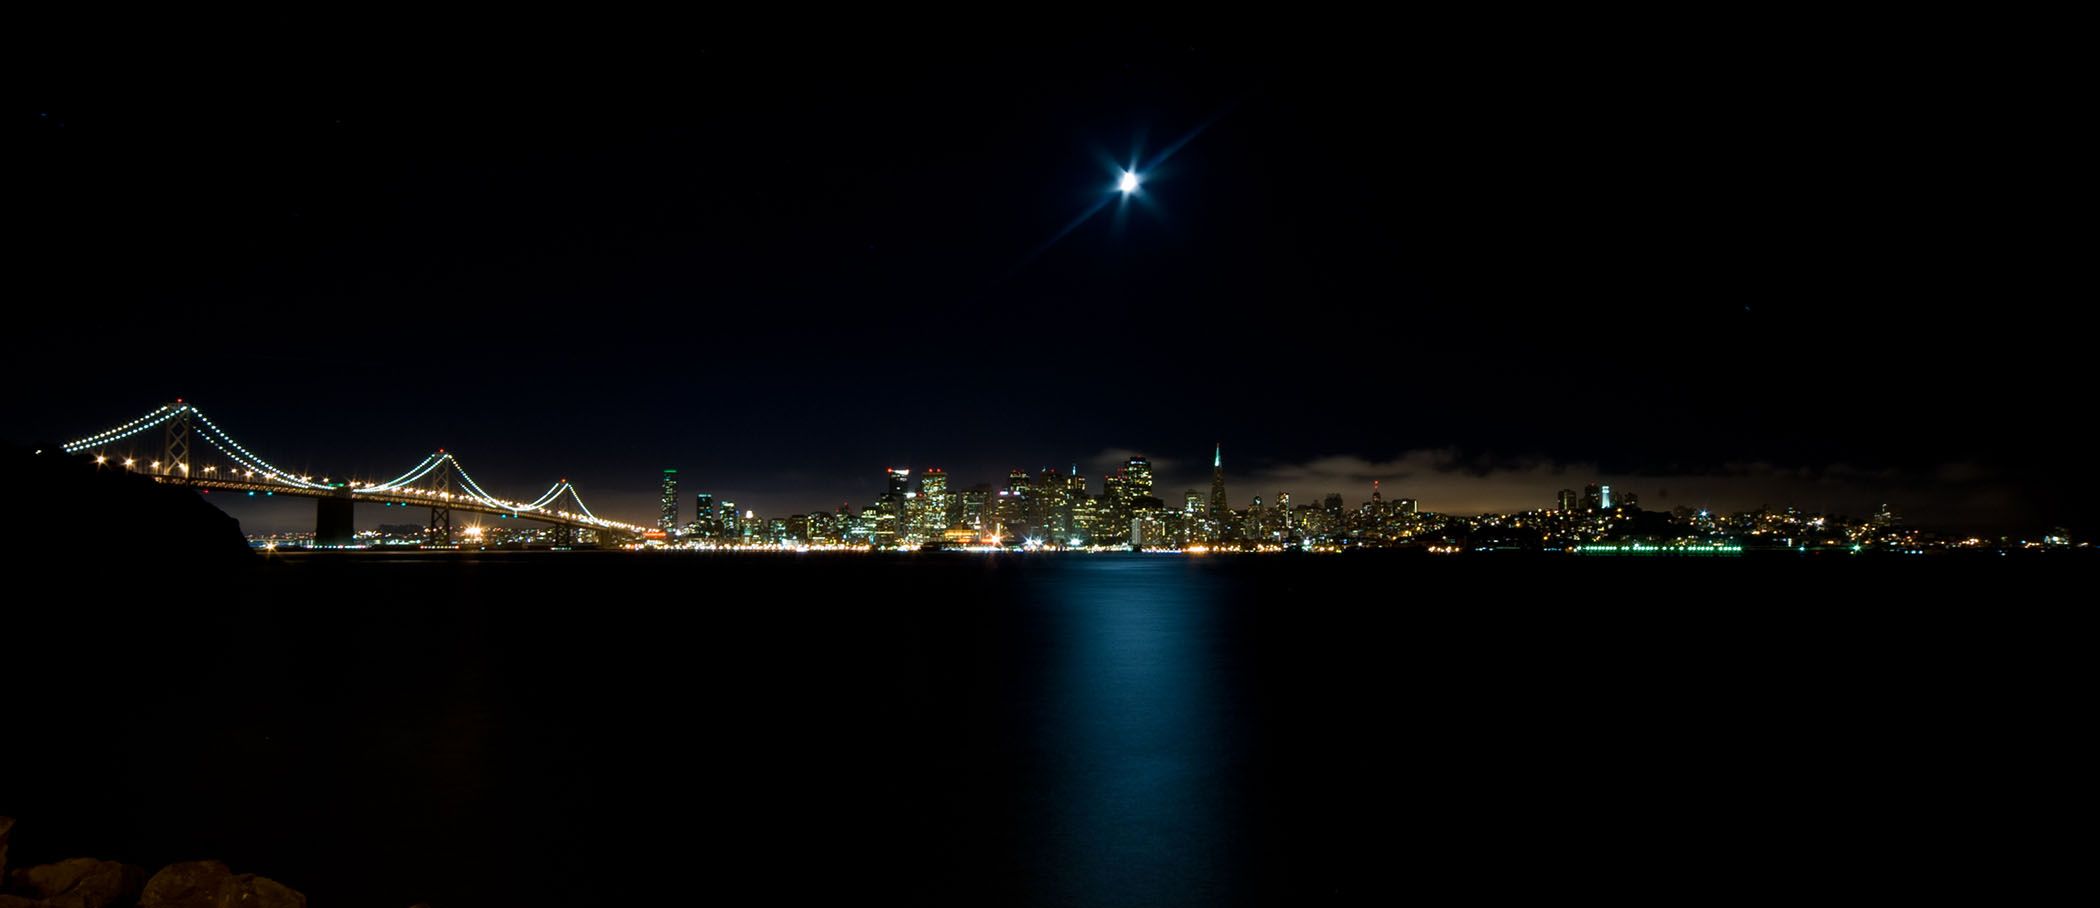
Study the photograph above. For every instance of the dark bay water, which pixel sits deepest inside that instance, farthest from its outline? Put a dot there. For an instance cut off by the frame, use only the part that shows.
(565, 728)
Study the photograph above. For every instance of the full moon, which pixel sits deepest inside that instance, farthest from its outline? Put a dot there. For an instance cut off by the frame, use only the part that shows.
(1129, 183)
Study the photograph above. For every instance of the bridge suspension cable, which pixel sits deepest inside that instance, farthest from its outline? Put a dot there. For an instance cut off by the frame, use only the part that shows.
(234, 451)
(122, 432)
(246, 457)
(430, 462)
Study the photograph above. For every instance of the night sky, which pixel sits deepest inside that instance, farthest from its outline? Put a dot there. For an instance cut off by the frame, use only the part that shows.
(1828, 273)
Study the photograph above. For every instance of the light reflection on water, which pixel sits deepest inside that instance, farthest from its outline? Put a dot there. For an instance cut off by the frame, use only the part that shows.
(1136, 783)
(1097, 730)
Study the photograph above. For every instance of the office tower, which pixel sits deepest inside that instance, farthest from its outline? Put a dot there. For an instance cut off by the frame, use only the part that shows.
(704, 516)
(669, 521)
(971, 506)
(1590, 499)
(1192, 502)
(1219, 508)
(1566, 501)
(1137, 475)
(1086, 517)
(1604, 497)
(729, 525)
(1407, 506)
(895, 493)
(932, 505)
(1059, 512)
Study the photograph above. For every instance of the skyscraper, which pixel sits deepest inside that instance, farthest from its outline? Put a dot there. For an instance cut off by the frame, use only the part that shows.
(1137, 476)
(1566, 501)
(932, 505)
(704, 516)
(669, 521)
(1218, 504)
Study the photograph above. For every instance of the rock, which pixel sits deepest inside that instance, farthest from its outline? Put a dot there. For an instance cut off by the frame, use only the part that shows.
(189, 884)
(83, 883)
(251, 891)
(7, 824)
(16, 901)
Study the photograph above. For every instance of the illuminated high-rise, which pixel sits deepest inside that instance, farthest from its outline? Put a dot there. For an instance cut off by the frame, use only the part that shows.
(1218, 505)
(669, 521)
(1114, 525)
(890, 525)
(1137, 477)
(970, 505)
(704, 516)
(932, 505)
(1061, 498)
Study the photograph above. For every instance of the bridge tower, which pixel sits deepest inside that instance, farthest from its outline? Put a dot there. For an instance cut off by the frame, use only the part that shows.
(335, 520)
(175, 443)
(441, 506)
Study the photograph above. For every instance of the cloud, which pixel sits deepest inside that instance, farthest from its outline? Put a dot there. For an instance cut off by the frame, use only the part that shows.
(1108, 460)
(1451, 481)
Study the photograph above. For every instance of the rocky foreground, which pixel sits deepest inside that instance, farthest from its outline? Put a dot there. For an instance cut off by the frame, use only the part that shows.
(91, 883)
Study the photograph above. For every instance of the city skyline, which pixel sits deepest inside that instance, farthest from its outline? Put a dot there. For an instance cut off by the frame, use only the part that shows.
(1578, 451)
(773, 276)
(196, 447)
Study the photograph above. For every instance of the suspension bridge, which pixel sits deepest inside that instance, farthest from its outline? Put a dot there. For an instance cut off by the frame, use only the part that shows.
(194, 451)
